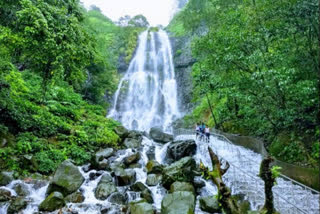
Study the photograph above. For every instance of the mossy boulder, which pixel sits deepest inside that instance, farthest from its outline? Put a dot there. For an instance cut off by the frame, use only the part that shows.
(132, 143)
(181, 202)
(181, 186)
(76, 197)
(144, 190)
(53, 202)
(17, 205)
(6, 178)
(117, 198)
(5, 195)
(209, 204)
(181, 170)
(141, 208)
(154, 167)
(21, 189)
(121, 131)
(131, 159)
(101, 158)
(67, 179)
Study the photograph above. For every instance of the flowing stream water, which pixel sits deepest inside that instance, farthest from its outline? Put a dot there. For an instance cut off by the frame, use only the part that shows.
(147, 97)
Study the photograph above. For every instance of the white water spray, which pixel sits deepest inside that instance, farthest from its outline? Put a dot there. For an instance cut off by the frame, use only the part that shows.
(147, 94)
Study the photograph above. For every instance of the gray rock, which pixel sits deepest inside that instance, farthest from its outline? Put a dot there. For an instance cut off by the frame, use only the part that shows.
(141, 208)
(181, 170)
(100, 158)
(181, 202)
(138, 186)
(117, 198)
(53, 202)
(104, 190)
(153, 179)
(21, 189)
(135, 135)
(134, 158)
(181, 148)
(5, 195)
(17, 205)
(209, 204)
(106, 178)
(198, 182)
(181, 186)
(125, 177)
(132, 143)
(67, 179)
(145, 191)
(159, 136)
(135, 165)
(6, 178)
(76, 197)
(151, 153)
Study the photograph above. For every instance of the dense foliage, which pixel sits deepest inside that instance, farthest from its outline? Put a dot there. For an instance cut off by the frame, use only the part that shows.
(57, 62)
(257, 65)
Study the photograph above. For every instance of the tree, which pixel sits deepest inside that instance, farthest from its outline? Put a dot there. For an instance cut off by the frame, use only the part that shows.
(139, 21)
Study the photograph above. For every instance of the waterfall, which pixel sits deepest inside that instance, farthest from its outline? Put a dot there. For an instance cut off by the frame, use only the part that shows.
(147, 94)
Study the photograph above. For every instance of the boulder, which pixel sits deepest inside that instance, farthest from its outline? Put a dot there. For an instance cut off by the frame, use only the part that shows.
(180, 149)
(67, 179)
(159, 136)
(53, 202)
(17, 205)
(132, 143)
(135, 165)
(117, 198)
(141, 208)
(133, 134)
(181, 170)
(76, 197)
(181, 186)
(121, 131)
(5, 178)
(154, 167)
(125, 177)
(100, 158)
(105, 187)
(181, 202)
(151, 153)
(134, 158)
(95, 175)
(209, 204)
(145, 191)
(153, 179)
(21, 189)
(115, 166)
(5, 195)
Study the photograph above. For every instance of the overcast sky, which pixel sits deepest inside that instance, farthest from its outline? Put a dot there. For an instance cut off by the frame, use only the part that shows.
(156, 11)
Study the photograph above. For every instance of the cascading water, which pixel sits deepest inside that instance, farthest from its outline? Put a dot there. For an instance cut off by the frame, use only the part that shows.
(147, 97)
(147, 94)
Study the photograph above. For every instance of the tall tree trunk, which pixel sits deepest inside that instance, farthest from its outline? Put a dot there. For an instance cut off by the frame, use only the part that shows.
(211, 109)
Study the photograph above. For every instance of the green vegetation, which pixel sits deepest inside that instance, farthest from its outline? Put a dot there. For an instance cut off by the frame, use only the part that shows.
(257, 65)
(57, 64)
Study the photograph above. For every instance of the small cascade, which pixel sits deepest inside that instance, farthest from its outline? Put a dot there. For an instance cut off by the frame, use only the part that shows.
(147, 94)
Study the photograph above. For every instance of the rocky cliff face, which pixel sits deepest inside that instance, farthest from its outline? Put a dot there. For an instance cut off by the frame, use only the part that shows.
(183, 61)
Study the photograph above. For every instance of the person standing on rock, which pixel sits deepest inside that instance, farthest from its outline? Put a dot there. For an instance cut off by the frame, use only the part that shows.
(207, 133)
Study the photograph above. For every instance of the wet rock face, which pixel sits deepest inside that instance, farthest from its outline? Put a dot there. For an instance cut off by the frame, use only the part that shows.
(21, 189)
(118, 198)
(67, 179)
(159, 136)
(181, 148)
(209, 204)
(53, 202)
(145, 191)
(5, 195)
(181, 170)
(181, 202)
(5, 178)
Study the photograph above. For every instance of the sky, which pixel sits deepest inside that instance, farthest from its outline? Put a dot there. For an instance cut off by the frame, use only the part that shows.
(158, 12)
